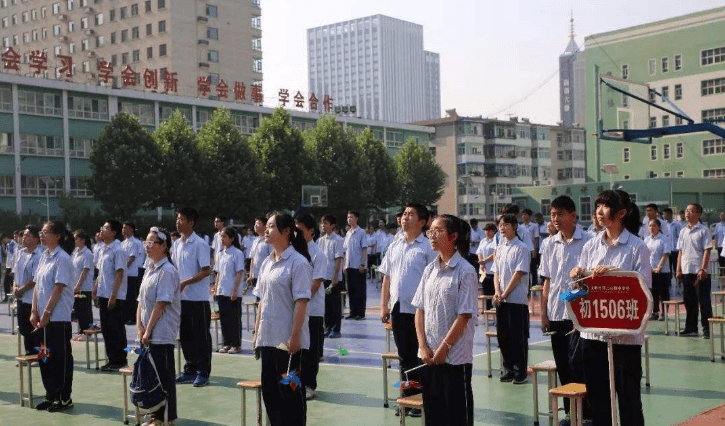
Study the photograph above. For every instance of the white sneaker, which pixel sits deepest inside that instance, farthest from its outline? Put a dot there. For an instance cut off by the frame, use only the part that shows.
(310, 394)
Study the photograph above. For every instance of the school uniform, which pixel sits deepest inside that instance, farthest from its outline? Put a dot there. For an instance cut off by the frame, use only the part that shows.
(533, 230)
(190, 256)
(512, 315)
(25, 268)
(627, 253)
(719, 236)
(485, 249)
(55, 268)
(260, 251)
(229, 262)
(247, 242)
(281, 283)
(332, 247)
(675, 228)
(316, 313)
(692, 244)
(11, 249)
(133, 247)
(404, 263)
(161, 284)
(113, 258)
(477, 235)
(659, 246)
(83, 306)
(355, 243)
(445, 292)
(558, 257)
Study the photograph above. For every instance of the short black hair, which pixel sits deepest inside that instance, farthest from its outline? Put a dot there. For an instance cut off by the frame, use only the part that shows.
(222, 218)
(698, 208)
(473, 222)
(490, 227)
(667, 210)
(307, 220)
(130, 224)
(329, 218)
(653, 205)
(563, 202)
(353, 212)
(527, 211)
(190, 214)
(511, 209)
(420, 209)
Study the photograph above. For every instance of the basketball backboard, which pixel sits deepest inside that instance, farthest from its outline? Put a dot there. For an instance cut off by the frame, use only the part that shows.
(622, 111)
(314, 196)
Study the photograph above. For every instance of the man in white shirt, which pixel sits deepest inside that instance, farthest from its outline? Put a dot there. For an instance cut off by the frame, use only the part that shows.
(652, 212)
(533, 230)
(719, 237)
(675, 227)
(355, 261)
(477, 235)
(247, 242)
(216, 242)
(136, 256)
(332, 246)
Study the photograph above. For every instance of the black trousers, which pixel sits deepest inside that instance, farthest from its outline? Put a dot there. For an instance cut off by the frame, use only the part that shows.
(311, 358)
(163, 356)
(512, 327)
(488, 289)
(673, 262)
(660, 290)
(407, 343)
(83, 307)
(472, 258)
(357, 290)
(534, 271)
(57, 370)
(692, 295)
(195, 336)
(113, 329)
(7, 283)
(285, 407)
(230, 316)
(30, 338)
(332, 308)
(373, 259)
(134, 283)
(567, 355)
(720, 259)
(447, 394)
(627, 377)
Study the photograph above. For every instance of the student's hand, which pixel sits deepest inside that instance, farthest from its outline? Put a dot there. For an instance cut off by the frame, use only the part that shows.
(293, 344)
(576, 272)
(249, 280)
(440, 355)
(146, 338)
(544, 323)
(384, 314)
(234, 296)
(44, 319)
(602, 269)
(426, 355)
(16, 291)
(94, 295)
(701, 275)
(678, 275)
(656, 270)
(112, 301)
(34, 320)
(362, 269)
(497, 299)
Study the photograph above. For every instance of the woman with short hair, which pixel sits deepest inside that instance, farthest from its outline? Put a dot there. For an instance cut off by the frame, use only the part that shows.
(229, 267)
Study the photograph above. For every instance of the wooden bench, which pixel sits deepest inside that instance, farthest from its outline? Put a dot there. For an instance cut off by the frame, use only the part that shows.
(387, 357)
(489, 335)
(712, 321)
(537, 292)
(482, 298)
(215, 318)
(343, 293)
(489, 313)
(88, 333)
(126, 372)
(255, 385)
(549, 367)
(388, 334)
(719, 295)
(676, 304)
(576, 392)
(414, 401)
(249, 304)
(26, 361)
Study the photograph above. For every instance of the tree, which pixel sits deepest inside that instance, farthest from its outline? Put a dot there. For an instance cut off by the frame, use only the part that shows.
(421, 178)
(232, 171)
(383, 175)
(124, 167)
(337, 162)
(80, 214)
(182, 180)
(280, 149)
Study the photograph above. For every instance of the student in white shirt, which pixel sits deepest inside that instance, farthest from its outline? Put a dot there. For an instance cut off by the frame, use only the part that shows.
(659, 249)
(695, 243)
(229, 267)
(533, 230)
(332, 246)
(485, 252)
(27, 258)
(675, 228)
(83, 281)
(446, 302)
(216, 242)
(136, 256)
(477, 236)
(247, 242)
(259, 251)
(719, 237)
(282, 331)
(356, 252)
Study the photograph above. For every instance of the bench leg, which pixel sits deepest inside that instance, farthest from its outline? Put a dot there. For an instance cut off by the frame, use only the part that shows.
(385, 383)
(677, 320)
(712, 346)
(552, 384)
(178, 357)
(88, 352)
(579, 403)
(488, 355)
(259, 408)
(95, 341)
(244, 407)
(722, 340)
(125, 401)
(30, 386)
(535, 384)
(22, 384)
(646, 363)
(555, 408)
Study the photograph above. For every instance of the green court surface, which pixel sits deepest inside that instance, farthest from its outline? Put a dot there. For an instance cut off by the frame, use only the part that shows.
(684, 383)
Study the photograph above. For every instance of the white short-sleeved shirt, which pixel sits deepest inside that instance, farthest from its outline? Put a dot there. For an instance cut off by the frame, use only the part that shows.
(511, 256)
(332, 246)
(558, 258)
(97, 253)
(543, 230)
(228, 263)
(477, 235)
(533, 229)
(316, 307)
(216, 245)
(719, 233)
(404, 263)
(191, 256)
(354, 245)
(444, 293)
(260, 251)
(83, 259)
(675, 228)
(628, 253)
(10, 248)
(25, 268)
(55, 267)
(161, 284)
(485, 248)
(692, 243)
(644, 229)
(379, 240)
(247, 242)
(384, 242)
(523, 235)
(282, 282)
(134, 247)
(657, 247)
(111, 258)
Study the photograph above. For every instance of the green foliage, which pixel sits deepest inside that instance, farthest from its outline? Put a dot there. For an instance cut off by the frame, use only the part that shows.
(125, 167)
(11, 221)
(231, 171)
(182, 178)
(80, 214)
(421, 178)
(280, 150)
(383, 175)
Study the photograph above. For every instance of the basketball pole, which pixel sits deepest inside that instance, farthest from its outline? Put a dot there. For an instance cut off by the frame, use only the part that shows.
(598, 114)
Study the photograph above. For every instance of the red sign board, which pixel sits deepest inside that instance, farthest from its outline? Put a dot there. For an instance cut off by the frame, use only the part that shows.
(618, 302)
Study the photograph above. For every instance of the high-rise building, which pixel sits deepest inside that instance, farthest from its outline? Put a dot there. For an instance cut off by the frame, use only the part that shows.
(378, 65)
(220, 40)
(572, 83)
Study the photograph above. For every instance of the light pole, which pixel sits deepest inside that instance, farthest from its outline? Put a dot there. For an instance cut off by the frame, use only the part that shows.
(47, 181)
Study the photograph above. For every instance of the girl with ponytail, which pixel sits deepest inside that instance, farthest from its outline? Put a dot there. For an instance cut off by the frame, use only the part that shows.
(282, 331)
(445, 302)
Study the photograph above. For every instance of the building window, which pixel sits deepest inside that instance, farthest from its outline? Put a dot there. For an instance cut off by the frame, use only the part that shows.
(33, 15)
(680, 150)
(135, 56)
(213, 56)
(84, 45)
(678, 91)
(666, 151)
(626, 177)
(257, 65)
(666, 174)
(665, 120)
(678, 121)
(680, 174)
(124, 58)
(712, 87)
(112, 15)
(134, 9)
(257, 22)
(257, 43)
(714, 173)
(70, 4)
(713, 114)
(211, 10)
(545, 206)
(678, 62)
(144, 112)
(625, 155)
(246, 124)
(71, 26)
(162, 50)
(652, 122)
(586, 208)
(56, 8)
(652, 66)
(162, 27)
(147, 6)
(7, 183)
(124, 12)
(713, 147)
(625, 71)
(124, 35)
(651, 175)
(72, 48)
(88, 108)
(44, 33)
(652, 96)
(134, 33)
(41, 145)
(99, 19)
(56, 30)
(212, 33)
(665, 91)
(653, 152)
(149, 29)
(712, 56)
(113, 38)
(5, 22)
(162, 4)
(665, 65)
(86, 66)
(149, 52)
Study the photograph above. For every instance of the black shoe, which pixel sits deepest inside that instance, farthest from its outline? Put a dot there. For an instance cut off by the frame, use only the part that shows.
(706, 334)
(359, 317)
(521, 380)
(688, 332)
(112, 367)
(44, 405)
(350, 317)
(508, 377)
(414, 412)
(61, 406)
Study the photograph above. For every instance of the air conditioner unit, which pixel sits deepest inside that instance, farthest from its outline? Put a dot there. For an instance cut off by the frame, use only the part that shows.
(89, 9)
(63, 39)
(90, 31)
(63, 17)
(91, 53)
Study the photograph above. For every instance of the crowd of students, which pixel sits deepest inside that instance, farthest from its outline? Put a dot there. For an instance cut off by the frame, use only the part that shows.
(430, 268)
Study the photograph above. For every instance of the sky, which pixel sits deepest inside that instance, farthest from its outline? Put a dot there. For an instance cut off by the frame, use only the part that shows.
(498, 58)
